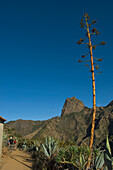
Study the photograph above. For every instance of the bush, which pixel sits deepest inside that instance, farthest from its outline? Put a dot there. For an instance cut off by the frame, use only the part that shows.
(45, 157)
(75, 157)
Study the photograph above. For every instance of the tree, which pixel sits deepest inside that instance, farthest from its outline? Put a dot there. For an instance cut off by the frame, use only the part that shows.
(86, 24)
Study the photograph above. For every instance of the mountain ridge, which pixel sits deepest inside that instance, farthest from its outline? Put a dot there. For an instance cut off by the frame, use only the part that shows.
(74, 126)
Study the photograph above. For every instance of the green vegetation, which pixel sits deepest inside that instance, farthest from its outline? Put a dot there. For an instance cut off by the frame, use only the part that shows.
(108, 156)
(54, 154)
(75, 156)
(49, 147)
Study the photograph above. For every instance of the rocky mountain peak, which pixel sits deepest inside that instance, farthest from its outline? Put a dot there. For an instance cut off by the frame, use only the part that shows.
(110, 104)
(72, 105)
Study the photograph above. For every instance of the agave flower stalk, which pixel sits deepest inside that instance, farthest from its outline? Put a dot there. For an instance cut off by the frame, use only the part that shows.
(84, 24)
(93, 86)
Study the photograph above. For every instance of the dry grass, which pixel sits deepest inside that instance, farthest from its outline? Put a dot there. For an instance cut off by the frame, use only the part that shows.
(5, 152)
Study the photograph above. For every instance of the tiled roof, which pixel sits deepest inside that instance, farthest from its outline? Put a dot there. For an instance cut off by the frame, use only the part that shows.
(3, 119)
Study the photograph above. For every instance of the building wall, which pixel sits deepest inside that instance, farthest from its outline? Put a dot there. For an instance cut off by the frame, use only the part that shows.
(1, 138)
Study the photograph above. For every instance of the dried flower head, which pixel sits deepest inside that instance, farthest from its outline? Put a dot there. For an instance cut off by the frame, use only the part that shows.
(83, 56)
(94, 46)
(100, 71)
(87, 16)
(100, 59)
(97, 67)
(80, 41)
(93, 30)
(94, 21)
(97, 33)
(79, 61)
(82, 25)
(102, 43)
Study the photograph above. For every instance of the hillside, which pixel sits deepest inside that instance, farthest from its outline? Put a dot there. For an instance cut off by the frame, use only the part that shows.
(72, 125)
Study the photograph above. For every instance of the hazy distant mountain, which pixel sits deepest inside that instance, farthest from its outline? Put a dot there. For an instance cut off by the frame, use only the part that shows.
(74, 124)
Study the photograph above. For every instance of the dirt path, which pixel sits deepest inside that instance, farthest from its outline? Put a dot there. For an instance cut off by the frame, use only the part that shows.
(18, 160)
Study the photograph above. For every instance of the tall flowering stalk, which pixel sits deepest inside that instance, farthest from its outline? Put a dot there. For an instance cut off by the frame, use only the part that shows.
(86, 25)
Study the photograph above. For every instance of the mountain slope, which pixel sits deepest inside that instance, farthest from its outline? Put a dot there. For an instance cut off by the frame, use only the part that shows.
(70, 126)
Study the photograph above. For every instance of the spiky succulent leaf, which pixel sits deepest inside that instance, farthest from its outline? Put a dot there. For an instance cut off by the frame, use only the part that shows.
(108, 146)
(52, 141)
(46, 141)
(107, 155)
(49, 146)
(45, 150)
(82, 160)
(112, 161)
(54, 148)
(105, 168)
(99, 161)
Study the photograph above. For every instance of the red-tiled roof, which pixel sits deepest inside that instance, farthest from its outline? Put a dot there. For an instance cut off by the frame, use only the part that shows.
(3, 119)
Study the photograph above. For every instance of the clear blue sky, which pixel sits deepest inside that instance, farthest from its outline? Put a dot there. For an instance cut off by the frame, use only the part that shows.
(39, 54)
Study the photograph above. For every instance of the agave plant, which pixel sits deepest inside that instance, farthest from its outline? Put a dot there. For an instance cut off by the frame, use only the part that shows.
(37, 144)
(99, 160)
(104, 158)
(50, 146)
(44, 157)
(108, 156)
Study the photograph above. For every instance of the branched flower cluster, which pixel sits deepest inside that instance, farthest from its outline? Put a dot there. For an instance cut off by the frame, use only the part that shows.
(93, 31)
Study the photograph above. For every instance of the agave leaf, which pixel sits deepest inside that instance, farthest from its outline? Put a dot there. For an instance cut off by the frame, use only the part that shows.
(45, 150)
(37, 148)
(107, 155)
(112, 161)
(52, 140)
(36, 142)
(99, 162)
(82, 160)
(49, 146)
(46, 142)
(105, 168)
(55, 147)
(108, 145)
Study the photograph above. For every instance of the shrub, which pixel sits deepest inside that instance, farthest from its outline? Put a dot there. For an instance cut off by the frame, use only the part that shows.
(46, 154)
(75, 157)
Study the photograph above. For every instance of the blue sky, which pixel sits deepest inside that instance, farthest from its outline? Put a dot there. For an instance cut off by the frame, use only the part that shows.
(39, 54)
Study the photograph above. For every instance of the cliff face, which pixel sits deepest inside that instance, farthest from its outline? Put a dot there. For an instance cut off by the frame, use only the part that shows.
(72, 105)
(74, 124)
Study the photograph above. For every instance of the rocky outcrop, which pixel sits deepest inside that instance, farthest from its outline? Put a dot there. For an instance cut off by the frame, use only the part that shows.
(74, 124)
(110, 104)
(72, 105)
